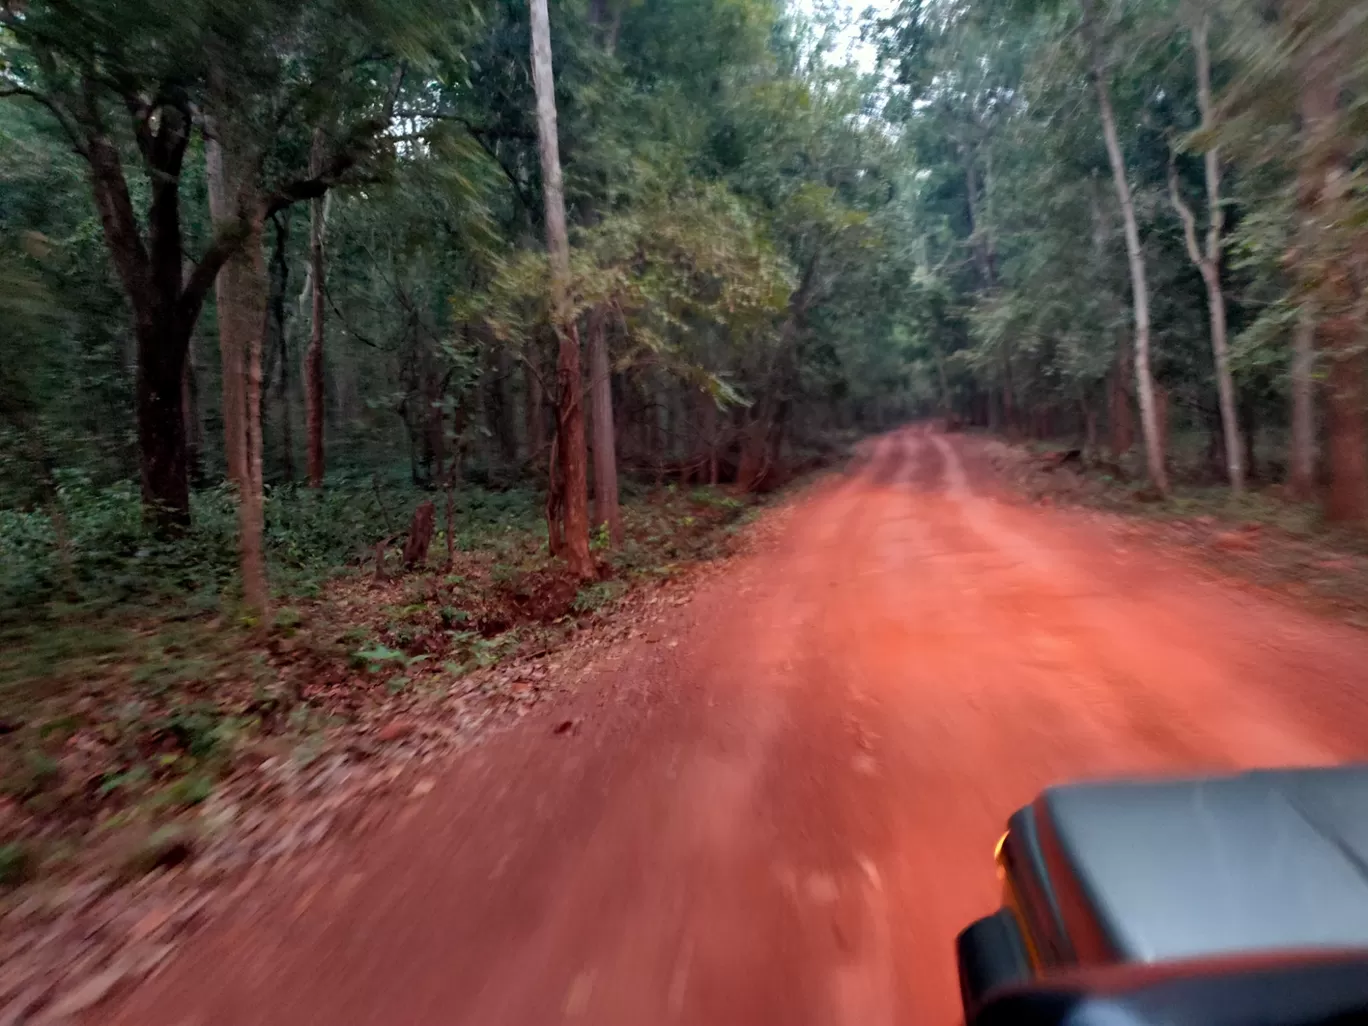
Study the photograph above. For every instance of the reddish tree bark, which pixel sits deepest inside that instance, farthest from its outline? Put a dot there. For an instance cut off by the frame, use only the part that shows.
(420, 535)
(569, 379)
(1328, 279)
(242, 299)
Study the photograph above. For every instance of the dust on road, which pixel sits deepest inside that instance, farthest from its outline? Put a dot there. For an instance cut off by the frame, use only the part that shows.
(786, 817)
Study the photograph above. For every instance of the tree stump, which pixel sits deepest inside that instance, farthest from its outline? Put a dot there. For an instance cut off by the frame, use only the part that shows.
(419, 535)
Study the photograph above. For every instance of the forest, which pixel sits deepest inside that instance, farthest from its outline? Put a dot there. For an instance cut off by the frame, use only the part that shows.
(293, 288)
(256, 254)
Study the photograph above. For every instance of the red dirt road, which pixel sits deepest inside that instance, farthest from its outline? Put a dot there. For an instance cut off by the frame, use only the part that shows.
(782, 813)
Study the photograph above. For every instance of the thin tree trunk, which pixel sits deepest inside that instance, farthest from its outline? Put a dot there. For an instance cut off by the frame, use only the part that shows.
(605, 451)
(569, 380)
(1301, 462)
(194, 432)
(1009, 410)
(1209, 262)
(241, 290)
(280, 282)
(710, 435)
(1121, 423)
(1135, 256)
(313, 357)
(1249, 410)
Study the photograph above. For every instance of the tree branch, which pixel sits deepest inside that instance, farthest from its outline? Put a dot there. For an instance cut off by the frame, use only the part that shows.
(1215, 214)
(64, 118)
(482, 137)
(140, 109)
(1189, 221)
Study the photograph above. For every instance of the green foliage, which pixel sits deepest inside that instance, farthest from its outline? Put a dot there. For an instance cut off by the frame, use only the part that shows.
(374, 657)
(99, 556)
(593, 597)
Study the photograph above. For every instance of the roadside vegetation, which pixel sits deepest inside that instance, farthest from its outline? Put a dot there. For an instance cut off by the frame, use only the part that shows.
(133, 684)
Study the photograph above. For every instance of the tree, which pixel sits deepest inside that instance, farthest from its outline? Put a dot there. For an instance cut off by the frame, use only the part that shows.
(115, 83)
(569, 408)
(1135, 255)
(95, 82)
(233, 199)
(1331, 278)
(1208, 261)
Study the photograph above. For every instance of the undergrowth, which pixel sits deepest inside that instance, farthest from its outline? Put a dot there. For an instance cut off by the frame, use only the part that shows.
(130, 689)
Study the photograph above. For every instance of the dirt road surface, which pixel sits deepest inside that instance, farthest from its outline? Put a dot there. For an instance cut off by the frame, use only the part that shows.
(783, 810)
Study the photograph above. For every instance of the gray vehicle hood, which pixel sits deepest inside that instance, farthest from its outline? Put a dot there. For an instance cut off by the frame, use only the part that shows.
(1265, 861)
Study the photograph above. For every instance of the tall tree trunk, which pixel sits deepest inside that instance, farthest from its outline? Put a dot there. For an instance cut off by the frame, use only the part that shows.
(280, 281)
(160, 389)
(1301, 457)
(194, 428)
(1346, 427)
(1135, 255)
(606, 509)
(1209, 262)
(569, 380)
(241, 290)
(313, 356)
(1321, 183)
(151, 267)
